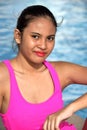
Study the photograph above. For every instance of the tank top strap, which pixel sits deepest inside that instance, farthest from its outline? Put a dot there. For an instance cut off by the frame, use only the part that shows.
(13, 83)
(54, 76)
(10, 69)
(7, 63)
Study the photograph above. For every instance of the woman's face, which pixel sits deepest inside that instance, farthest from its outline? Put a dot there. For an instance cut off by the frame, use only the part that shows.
(37, 40)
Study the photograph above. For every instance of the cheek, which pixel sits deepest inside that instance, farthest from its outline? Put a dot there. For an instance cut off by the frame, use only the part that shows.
(51, 46)
(26, 43)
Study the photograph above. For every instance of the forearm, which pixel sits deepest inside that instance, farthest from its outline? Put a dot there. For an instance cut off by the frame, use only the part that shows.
(76, 105)
(79, 103)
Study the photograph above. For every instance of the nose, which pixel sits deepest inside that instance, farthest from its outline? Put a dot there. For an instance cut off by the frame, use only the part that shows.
(43, 44)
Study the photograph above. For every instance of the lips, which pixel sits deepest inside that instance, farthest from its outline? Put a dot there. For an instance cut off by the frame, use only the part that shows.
(41, 54)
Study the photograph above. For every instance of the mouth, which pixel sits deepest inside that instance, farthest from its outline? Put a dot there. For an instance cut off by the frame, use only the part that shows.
(40, 54)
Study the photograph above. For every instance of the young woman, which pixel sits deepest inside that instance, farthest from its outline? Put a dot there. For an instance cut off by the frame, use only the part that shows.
(30, 87)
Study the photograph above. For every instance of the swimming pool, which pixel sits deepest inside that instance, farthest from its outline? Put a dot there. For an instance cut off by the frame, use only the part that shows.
(71, 38)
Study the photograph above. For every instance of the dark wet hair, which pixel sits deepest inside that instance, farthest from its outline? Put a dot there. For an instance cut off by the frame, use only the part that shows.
(32, 12)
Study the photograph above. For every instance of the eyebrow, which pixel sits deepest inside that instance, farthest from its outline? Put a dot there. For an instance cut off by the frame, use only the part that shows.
(35, 33)
(53, 35)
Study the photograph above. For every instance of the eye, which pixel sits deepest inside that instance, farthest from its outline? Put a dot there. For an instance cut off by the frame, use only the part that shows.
(35, 36)
(51, 38)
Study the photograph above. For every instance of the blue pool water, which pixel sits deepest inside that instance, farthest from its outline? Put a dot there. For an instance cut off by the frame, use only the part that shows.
(71, 38)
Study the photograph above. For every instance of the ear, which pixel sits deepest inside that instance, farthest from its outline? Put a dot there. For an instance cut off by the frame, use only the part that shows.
(17, 36)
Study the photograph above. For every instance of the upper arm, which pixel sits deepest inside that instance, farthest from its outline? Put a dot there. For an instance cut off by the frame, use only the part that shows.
(77, 74)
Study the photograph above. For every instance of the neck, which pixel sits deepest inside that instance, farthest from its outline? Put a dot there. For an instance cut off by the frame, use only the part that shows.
(24, 66)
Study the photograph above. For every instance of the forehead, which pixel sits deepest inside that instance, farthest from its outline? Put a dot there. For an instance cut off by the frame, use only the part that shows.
(42, 23)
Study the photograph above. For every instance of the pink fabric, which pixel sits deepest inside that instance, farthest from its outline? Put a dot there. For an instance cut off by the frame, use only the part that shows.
(22, 115)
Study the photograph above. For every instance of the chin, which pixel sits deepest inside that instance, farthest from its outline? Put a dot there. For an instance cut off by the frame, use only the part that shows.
(39, 61)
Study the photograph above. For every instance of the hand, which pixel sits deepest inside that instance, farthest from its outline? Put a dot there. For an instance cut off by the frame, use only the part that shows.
(53, 121)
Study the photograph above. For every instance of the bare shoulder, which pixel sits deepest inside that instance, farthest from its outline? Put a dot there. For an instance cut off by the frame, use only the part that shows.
(62, 68)
(66, 66)
(61, 65)
(3, 70)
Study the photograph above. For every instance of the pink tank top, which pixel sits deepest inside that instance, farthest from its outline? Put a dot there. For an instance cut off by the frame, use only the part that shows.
(22, 115)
